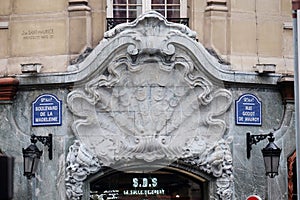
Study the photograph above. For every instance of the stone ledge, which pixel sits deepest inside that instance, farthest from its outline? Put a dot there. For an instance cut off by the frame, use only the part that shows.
(78, 5)
(79, 8)
(216, 5)
(8, 89)
(4, 25)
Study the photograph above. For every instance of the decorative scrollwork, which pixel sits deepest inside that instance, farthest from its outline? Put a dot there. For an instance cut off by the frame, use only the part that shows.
(80, 163)
(153, 101)
(216, 160)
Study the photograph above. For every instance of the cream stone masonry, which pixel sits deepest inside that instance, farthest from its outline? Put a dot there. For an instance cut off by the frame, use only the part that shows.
(4, 39)
(268, 37)
(38, 38)
(37, 6)
(242, 33)
(98, 20)
(5, 7)
(80, 23)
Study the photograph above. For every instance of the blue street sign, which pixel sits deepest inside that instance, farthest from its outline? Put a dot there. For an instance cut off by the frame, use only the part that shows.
(46, 111)
(248, 110)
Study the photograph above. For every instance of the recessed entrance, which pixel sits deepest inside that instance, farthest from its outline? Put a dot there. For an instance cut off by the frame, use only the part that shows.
(163, 184)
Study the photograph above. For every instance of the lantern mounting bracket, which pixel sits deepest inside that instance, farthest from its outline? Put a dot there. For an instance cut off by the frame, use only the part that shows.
(254, 139)
(45, 140)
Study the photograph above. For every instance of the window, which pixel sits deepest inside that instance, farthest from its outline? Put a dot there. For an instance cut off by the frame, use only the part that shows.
(120, 11)
(168, 8)
(127, 8)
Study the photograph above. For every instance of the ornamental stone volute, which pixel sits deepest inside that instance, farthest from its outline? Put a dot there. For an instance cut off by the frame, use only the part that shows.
(151, 93)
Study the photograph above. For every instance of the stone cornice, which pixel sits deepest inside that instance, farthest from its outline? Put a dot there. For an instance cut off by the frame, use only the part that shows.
(78, 5)
(8, 89)
(286, 87)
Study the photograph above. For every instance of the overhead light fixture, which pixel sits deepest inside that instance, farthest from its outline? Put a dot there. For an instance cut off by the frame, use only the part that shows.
(271, 153)
(32, 154)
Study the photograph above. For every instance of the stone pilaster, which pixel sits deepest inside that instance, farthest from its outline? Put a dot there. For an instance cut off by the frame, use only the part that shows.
(215, 34)
(79, 26)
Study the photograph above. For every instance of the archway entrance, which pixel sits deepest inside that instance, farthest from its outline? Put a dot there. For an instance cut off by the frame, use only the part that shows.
(164, 184)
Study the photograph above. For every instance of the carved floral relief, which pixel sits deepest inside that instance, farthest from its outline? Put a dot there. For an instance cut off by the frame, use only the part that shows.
(151, 102)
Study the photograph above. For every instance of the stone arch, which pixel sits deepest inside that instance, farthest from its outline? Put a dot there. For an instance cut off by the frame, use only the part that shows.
(150, 93)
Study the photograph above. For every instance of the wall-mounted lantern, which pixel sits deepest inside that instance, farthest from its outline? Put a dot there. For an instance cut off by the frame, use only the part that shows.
(32, 154)
(271, 153)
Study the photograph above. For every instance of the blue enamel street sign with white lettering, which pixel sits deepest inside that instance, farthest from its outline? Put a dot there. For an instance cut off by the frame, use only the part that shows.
(248, 110)
(46, 111)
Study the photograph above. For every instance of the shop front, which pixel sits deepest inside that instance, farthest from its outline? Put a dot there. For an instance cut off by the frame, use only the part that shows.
(165, 184)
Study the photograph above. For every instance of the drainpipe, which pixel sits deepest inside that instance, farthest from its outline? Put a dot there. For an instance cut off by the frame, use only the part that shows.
(296, 35)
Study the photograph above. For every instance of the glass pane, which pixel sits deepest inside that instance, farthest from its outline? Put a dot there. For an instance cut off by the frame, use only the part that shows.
(275, 163)
(119, 2)
(132, 2)
(158, 2)
(119, 8)
(267, 160)
(173, 12)
(132, 12)
(160, 9)
(119, 11)
(173, 1)
(35, 165)
(27, 164)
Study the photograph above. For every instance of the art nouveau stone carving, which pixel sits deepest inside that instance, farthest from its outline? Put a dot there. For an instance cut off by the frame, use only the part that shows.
(80, 163)
(152, 100)
(216, 160)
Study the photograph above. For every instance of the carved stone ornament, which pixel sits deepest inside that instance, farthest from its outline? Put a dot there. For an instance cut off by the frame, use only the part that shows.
(80, 163)
(149, 95)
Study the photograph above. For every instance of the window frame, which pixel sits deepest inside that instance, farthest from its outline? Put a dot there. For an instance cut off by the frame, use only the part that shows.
(146, 6)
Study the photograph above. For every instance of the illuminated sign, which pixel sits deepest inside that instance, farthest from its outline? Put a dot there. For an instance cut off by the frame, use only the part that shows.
(144, 182)
(140, 185)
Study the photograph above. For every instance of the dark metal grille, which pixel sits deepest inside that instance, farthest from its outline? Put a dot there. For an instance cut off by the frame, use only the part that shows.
(112, 22)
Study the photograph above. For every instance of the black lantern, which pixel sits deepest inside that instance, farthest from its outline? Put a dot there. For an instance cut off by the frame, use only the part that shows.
(32, 154)
(271, 153)
(31, 157)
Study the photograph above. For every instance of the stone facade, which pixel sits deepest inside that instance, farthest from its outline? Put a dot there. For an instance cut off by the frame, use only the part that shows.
(243, 34)
(149, 95)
